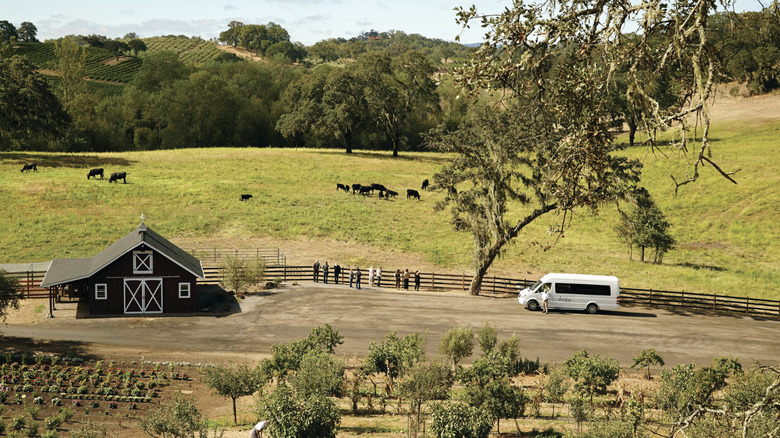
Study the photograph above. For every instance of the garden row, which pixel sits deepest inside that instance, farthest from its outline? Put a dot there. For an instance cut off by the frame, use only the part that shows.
(42, 55)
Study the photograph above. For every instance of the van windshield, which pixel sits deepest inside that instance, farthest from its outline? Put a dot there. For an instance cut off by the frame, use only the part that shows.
(535, 286)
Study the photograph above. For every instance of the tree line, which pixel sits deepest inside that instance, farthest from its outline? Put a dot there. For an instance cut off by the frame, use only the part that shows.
(386, 97)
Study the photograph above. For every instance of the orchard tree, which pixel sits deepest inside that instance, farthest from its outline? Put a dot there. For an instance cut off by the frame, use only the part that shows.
(544, 142)
(424, 382)
(556, 386)
(10, 293)
(233, 380)
(179, 418)
(487, 337)
(237, 274)
(645, 358)
(294, 415)
(319, 373)
(455, 419)
(394, 355)
(457, 344)
(591, 374)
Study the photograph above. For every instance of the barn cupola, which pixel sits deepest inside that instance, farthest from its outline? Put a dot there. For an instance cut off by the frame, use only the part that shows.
(142, 228)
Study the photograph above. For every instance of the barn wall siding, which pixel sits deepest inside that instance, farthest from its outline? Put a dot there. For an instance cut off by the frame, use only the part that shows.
(114, 274)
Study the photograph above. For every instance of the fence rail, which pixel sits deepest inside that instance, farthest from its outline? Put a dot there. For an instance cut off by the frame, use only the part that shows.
(30, 285)
(271, 256)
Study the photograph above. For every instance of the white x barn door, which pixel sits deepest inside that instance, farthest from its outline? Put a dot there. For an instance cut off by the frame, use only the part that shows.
(143, 295)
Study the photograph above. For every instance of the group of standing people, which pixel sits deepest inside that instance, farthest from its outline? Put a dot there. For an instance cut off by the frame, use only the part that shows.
(325, 272)
(355, 276)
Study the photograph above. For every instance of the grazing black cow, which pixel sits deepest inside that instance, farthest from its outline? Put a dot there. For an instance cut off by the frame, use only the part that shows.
(340, 186)
(410, 193)
(30, 166)
(425, 184)
(245, 197)
(379, 187)
(95, 173)
(366, 190)
(355, 188)
(116, 176)
(390, 193)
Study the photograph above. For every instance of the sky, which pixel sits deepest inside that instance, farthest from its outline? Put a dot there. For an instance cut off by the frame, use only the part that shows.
(307, 21)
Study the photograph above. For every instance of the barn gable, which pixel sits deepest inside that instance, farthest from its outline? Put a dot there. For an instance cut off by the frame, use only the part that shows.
(69, 270)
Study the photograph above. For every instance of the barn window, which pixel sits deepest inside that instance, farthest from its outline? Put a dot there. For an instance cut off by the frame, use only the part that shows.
(101, 291)
(142, 262)
(184, 290)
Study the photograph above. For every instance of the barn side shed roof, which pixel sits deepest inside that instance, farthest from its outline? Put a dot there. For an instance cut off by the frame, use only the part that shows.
(67, 270)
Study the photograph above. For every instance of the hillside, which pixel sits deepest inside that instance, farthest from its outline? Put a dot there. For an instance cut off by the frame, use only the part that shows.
(727, 235)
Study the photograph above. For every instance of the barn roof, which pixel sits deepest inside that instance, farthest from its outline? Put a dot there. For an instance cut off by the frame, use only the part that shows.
(67, 270)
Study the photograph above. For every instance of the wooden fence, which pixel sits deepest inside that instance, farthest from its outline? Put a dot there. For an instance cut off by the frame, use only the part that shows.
(209, 256)
(30, 284)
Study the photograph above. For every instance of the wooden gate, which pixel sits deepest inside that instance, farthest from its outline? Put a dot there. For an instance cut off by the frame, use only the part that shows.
(143, 295)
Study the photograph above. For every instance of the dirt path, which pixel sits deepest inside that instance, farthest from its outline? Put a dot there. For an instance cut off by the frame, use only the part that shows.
(370, 314)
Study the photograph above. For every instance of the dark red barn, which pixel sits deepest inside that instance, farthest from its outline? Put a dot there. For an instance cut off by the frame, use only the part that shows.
(142, 273)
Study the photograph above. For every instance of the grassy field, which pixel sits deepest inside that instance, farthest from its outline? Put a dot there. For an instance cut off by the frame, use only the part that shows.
(727, 234)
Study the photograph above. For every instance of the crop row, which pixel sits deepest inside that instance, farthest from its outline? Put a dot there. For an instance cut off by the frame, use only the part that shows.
(42, 55)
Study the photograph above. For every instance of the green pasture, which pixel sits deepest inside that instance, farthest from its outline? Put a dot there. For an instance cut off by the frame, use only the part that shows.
(727, 234)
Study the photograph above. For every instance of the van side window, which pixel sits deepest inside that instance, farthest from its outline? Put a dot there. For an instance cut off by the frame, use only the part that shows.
(582, 289)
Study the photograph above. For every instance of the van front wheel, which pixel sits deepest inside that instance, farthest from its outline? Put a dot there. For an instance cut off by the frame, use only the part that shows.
(592, 309)
(532, 305)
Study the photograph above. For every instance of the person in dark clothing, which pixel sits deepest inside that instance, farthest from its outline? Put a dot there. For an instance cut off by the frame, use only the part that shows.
(336, 273)
(316, 269)
(406, 279)
(416, 280)
(325, 272)
(357, 278)
(351, 276)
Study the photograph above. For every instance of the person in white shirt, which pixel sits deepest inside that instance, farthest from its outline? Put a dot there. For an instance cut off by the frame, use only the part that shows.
(257, 431)
(545, 297)
(379, 277)
(371, 276)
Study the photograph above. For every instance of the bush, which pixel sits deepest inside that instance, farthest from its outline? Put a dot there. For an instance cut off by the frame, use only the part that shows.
(31, 430)
(53, 423)
(49, 434)
(18, 423)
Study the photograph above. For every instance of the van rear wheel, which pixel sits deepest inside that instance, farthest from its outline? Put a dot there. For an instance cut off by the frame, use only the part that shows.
(592, 309)
(532, 305)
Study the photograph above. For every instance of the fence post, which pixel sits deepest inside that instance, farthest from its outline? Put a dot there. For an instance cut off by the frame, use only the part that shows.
(433, 285)
(683, 298)
(715, 302)
(651, 297)
(494, 284)
(463, 281)
(747, 304)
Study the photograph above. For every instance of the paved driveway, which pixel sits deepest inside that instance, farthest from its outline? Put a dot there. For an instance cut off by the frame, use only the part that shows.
(370, 314)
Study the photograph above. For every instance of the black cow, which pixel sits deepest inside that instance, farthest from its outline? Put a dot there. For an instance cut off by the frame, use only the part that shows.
(95, 173)
(245, 197)
(340, 186)
(390, 193)
(425, 184)
(355, 188)
(410, 193)
(379, 187)
(366, 190)
(116, 176)
(30, 166)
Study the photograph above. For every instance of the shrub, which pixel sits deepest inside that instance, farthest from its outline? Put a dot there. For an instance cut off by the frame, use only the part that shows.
(2, 427)
(66, 414)
(31, 430)
(94, 404)
(112, 405)
(18, 423)
(56, 401)
(49, 434)
(53, 423)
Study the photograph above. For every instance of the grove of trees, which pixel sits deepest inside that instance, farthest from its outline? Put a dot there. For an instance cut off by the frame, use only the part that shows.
(299, 387)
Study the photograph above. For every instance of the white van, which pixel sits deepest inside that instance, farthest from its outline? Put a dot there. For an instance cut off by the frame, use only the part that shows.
(574, 292)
